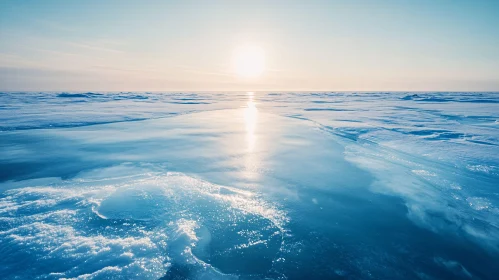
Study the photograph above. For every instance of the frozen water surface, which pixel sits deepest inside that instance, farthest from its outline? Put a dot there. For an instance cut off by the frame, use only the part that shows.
(249, 185)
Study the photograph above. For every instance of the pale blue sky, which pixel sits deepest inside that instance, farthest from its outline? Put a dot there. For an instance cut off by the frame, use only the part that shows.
(309, 45)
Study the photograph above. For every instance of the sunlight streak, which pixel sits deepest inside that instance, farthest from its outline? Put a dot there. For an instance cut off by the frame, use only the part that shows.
(250, 118)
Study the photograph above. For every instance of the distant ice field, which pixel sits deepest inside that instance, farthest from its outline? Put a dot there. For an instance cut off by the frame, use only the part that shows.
(257, 185)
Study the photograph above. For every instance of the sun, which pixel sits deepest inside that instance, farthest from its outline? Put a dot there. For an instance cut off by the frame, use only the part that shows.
(249, 61)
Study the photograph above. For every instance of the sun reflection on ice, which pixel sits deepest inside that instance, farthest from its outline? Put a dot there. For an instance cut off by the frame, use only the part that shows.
(252, 160)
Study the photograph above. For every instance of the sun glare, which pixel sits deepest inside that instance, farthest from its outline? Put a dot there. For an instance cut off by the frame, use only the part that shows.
(249, 61)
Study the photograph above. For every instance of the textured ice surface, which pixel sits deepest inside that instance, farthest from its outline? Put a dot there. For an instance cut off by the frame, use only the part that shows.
(249, 186)
(138, 225)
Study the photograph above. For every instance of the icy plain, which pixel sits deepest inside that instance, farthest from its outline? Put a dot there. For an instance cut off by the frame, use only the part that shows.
(257, 185)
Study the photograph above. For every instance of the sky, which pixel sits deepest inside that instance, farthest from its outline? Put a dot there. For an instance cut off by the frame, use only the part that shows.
(188, 45)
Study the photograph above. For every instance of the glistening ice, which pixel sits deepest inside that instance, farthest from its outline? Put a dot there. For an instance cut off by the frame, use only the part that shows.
(249, 185)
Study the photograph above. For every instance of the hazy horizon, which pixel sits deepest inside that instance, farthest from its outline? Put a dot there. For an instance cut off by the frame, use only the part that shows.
(301, 46)
(251, 91)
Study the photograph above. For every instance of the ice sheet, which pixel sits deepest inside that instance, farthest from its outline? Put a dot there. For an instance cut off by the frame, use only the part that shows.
(261, 185)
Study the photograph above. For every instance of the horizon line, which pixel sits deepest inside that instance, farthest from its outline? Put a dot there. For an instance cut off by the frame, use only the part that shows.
(276, 91)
